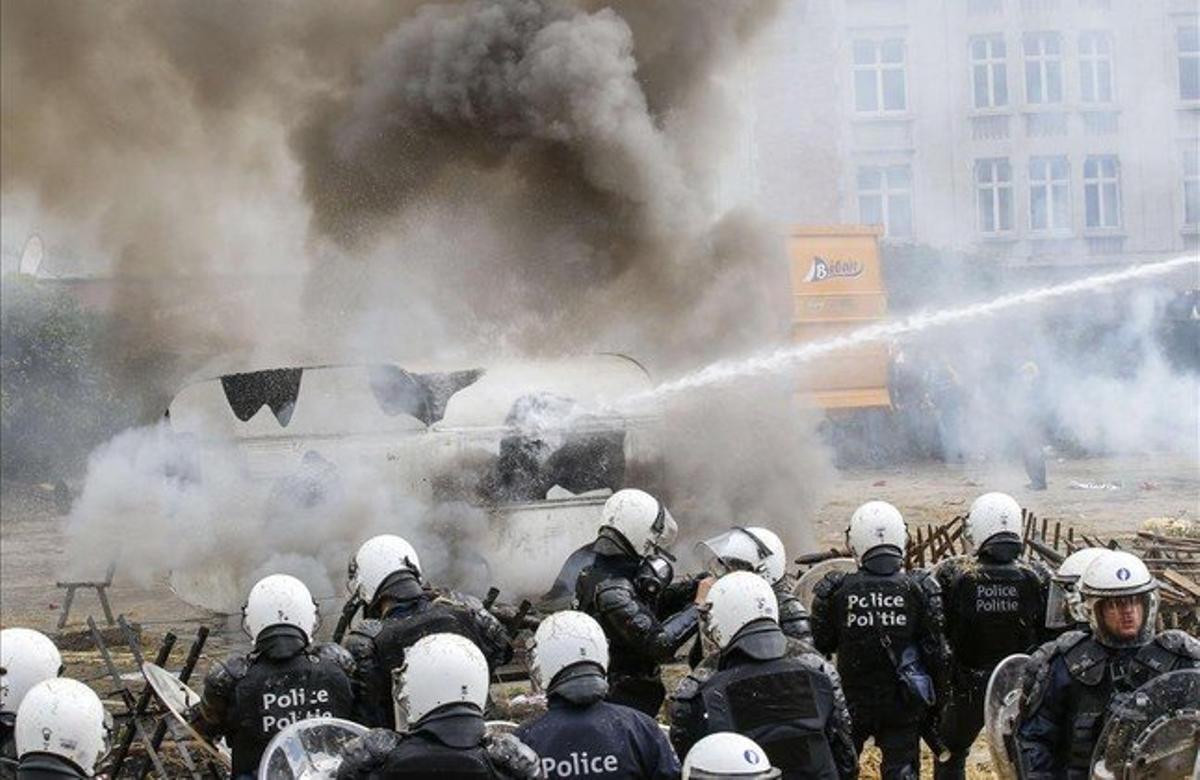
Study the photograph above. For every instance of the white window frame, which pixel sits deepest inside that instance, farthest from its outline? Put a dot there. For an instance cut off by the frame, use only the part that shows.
(1191, 180)
(878, 67)
(885, 193)
(999, 186)
(1051, 185)
(992, 65)
(1094, 61)
(1192, 55)
(1100, 183)
(1043, 63)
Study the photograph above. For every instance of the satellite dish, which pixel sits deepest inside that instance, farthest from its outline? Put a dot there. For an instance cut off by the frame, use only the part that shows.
(32, 255)
(309, 749)
(178, 699)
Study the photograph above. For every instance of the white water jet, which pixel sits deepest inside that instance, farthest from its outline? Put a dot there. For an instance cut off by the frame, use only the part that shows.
(789, 358)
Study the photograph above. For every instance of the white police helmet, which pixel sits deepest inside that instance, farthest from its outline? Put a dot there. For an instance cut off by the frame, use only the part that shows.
(377, 559)
(26, 658)
(280, 599)
(992, 514)
(873, 525)
(776, 562)
(1063, 605)
(727, 755)
(738, 549)
(733, 602)
(65, 718)
(564, 639)
(440, 669)
(1119, 576)
(641, 520)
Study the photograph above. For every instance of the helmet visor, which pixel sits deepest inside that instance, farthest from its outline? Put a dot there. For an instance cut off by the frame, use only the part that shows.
(1125, 620)
(664, 528)
(1057, 604)
(734, 550)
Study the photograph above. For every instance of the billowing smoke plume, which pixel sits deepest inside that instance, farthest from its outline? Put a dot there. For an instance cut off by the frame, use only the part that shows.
(489, 177)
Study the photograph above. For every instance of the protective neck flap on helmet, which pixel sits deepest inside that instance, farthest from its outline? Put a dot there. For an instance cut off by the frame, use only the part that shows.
(761, 640)
(458, 725)
(402, 586)
(1001, 548)
(610, 541)
(883, 561)
(280, 642)
(582, 683)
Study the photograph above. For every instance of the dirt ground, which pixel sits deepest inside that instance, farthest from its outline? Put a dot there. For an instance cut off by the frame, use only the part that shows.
(1108, 496)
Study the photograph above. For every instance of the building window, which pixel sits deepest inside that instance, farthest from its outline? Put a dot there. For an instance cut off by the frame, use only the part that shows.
(1188, 41)
(1049, 194)
(1191, 187)
(1043, 68)
(1095, 67)
(993, 194)
(885, 198)
(1102, 192)
(879, 76)
(989, 71)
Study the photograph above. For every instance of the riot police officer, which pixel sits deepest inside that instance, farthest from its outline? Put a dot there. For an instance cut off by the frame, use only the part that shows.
(62, 731)
(285, 678)
(886, 627)
(761, 551)
(730, 755)
(792, 705)
(440, 695)
(1064, 608)
(385, 575)
(1072, 682)
(580, 733)
(622, 590)
(26, 658)
(995, 606)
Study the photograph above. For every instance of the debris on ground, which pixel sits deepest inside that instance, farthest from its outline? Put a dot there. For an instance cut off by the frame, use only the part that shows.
(1095, 486)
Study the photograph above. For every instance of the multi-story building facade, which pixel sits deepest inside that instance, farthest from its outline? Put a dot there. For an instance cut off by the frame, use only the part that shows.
(1045, 132)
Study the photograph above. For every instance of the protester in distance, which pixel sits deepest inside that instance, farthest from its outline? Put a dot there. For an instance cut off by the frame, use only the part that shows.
(285, 678)
(581, 734)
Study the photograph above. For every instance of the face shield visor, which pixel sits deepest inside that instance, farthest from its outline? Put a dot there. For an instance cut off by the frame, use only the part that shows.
(701, 774)
(1121, 621)
(735, 550)
(1059, 603)
(664, 529)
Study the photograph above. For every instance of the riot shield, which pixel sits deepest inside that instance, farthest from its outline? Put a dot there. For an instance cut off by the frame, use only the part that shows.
(308, 749)
(1000, 706)
(1153, 733)
(178, 699)
(808, 581)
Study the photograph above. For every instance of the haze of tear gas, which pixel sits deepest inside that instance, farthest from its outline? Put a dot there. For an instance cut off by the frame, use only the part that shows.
(513, 176)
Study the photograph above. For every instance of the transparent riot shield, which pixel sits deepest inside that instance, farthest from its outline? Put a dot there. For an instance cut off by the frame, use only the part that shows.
(178, 699)
(308, 750)
(808, 581)
(1153, 733)
(1000, 709)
